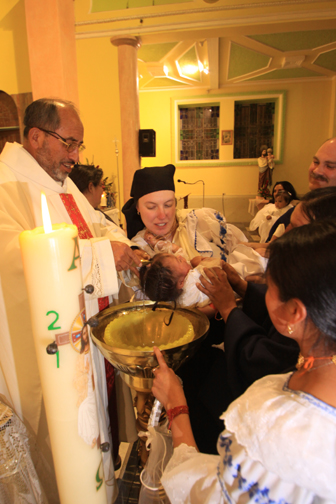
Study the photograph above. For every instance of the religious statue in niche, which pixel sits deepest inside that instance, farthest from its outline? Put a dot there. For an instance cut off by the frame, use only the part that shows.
(266, 166)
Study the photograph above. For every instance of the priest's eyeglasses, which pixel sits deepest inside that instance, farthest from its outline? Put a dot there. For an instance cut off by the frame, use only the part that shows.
(70, 147)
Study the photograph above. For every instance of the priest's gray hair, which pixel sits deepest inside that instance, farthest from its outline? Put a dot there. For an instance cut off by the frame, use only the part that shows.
(43, 113)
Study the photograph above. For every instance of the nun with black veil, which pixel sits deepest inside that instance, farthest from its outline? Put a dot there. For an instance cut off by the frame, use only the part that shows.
(152, 217)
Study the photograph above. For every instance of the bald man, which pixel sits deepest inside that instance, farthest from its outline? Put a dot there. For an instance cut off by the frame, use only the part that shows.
(322, 171)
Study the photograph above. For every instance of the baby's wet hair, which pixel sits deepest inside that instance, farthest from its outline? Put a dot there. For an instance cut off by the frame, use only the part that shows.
(158, 282)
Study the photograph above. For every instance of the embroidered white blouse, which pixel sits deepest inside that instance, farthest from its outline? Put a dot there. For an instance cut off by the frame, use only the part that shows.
(279, 446)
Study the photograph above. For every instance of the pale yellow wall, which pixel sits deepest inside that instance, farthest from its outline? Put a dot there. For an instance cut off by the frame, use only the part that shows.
(306, 127)
(306, 123)
(14, 61)
(308, 114)
(98, 85)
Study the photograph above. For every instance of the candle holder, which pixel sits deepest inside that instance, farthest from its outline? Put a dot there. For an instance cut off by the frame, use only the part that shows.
(136, 366)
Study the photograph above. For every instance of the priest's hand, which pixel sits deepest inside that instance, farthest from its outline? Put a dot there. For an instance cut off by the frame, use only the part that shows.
(141, 254)
(219, 290)
(124, 257)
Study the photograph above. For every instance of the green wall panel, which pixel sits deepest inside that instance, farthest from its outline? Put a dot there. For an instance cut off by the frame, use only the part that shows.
(244, 61)
(295, 41)
(327, 60)
(288, 73)
(155, 52)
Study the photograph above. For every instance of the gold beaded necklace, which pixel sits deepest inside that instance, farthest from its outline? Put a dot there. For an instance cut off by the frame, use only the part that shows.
(307, 363)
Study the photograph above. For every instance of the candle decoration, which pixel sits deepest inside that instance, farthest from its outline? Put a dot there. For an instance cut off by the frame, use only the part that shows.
(50, 256)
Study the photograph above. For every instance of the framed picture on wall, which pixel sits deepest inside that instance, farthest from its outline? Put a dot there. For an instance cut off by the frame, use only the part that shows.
(227, 137)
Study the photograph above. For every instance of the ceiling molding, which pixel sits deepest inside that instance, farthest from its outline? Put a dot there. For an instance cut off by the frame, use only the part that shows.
(200, 10)
(218, 23)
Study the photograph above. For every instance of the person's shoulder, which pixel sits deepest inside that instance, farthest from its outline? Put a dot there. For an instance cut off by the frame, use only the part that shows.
(139, 239)
(11, 152)
(140, 234)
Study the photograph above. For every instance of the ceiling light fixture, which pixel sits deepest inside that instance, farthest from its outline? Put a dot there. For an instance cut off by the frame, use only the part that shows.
(190, 69)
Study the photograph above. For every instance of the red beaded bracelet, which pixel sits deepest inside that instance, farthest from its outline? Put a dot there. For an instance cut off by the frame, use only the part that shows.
(174, 412)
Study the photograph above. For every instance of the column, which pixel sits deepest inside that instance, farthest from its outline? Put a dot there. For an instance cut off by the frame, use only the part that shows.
(52, 49)
(129, 107)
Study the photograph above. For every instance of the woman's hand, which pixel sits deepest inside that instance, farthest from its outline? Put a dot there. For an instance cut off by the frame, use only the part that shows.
(168, 390)
(237, 283)
(167, 387)
(219, 291)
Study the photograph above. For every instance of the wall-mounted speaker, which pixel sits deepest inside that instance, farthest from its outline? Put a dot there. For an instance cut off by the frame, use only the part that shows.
(147, 144)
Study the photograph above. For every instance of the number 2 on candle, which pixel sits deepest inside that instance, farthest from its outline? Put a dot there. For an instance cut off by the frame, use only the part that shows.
(52, 327)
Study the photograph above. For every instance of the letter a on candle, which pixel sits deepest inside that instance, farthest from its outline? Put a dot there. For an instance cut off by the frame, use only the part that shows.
(75, 257)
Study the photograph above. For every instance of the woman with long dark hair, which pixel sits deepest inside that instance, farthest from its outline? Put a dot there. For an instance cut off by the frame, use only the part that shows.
(280, 436)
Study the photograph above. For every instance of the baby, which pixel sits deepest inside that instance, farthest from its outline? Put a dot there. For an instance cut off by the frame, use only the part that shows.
(281, 201)
(171, 277)
(270, 158)
(266, 217)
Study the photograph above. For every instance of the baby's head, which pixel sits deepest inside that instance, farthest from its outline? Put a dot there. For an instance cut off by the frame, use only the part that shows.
(163, 278)
(282, 199)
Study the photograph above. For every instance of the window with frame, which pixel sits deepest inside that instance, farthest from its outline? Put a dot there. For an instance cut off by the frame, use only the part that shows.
(253, 128)
(199, 132)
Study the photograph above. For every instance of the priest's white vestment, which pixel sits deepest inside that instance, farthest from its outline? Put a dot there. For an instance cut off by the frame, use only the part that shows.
(22, 180)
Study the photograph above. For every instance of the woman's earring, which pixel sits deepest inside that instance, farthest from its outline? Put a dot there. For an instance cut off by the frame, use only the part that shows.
(290, 329)
(138, 212)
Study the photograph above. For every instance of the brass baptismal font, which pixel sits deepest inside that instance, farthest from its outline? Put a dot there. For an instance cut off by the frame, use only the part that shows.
(126, 334)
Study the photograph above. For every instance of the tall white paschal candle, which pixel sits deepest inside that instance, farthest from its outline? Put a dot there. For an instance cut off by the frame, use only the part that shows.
(50, 256)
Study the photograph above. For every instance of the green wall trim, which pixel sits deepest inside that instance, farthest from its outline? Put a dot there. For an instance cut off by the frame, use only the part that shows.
(215, 97)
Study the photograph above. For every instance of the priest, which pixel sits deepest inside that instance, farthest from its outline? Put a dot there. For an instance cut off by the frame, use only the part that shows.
(53, 138)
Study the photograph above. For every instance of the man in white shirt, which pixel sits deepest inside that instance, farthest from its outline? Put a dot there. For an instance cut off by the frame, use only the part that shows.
(53, 138)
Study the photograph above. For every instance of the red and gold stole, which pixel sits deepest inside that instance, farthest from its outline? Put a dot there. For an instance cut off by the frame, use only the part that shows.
(84, 232)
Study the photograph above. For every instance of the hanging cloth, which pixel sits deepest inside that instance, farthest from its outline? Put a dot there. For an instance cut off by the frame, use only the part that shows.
(84, 232)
